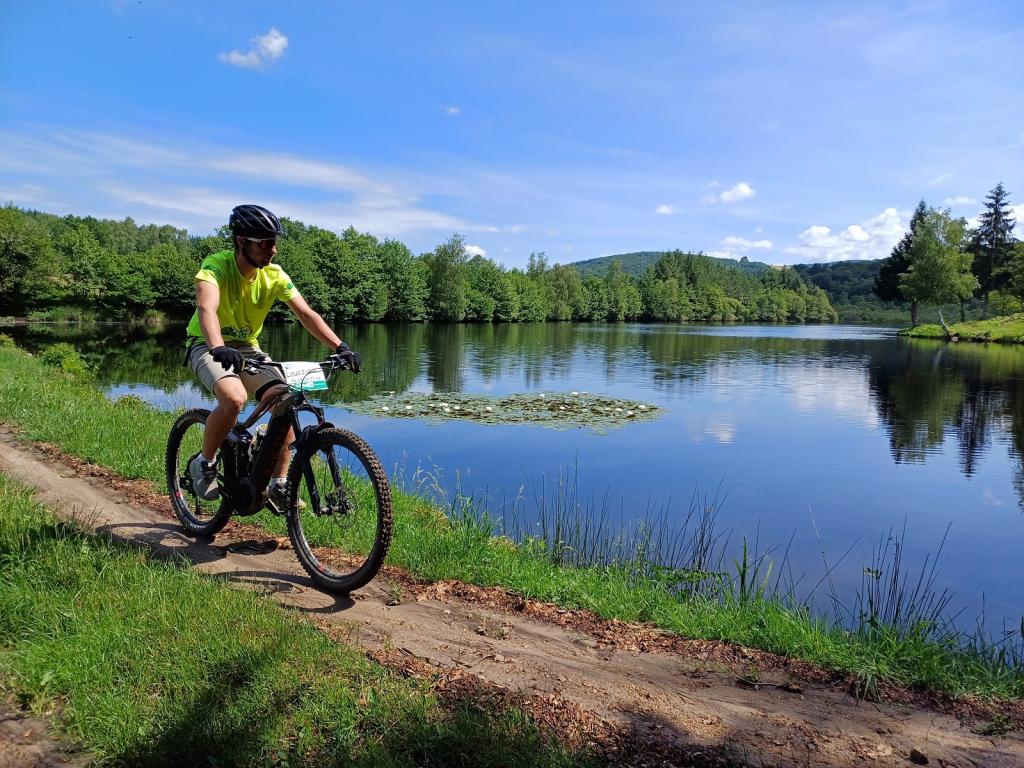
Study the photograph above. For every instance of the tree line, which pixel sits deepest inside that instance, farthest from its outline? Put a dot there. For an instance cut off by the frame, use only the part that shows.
(941, 260)
(117, 267)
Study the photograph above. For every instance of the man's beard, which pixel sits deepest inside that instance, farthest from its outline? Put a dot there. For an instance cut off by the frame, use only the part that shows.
(257, 263)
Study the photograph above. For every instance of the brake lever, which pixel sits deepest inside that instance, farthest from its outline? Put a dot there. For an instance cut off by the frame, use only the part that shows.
(337, 362)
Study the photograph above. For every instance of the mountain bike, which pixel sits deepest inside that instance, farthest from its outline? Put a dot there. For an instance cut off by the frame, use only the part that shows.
(339, 503)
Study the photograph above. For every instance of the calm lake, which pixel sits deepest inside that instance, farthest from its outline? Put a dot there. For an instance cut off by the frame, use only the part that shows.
(815, 441)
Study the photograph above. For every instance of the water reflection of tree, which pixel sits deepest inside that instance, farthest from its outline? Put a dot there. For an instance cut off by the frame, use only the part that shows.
(120, 354)
(446, 351)
(926, 390)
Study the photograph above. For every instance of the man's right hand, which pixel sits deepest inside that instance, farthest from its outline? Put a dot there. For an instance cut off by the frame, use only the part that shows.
(230, 358)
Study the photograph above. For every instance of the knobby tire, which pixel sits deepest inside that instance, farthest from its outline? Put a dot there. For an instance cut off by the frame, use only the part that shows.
(354, 568)
(181, 446)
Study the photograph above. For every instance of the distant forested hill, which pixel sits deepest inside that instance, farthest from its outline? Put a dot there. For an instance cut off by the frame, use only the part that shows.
(843, 281)
(848, 284)
(636, 264)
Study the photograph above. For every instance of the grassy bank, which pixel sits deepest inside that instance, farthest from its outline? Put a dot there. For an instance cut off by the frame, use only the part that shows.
(698, 600)
(1008, 329)
(148, 663)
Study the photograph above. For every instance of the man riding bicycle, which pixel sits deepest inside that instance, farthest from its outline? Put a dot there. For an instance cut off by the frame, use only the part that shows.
(234, 292)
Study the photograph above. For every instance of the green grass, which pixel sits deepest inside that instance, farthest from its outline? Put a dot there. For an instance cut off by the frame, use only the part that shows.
(922, 653)
(1008, 329)
(148, 663)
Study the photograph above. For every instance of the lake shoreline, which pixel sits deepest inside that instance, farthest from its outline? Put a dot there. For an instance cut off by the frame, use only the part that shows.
(1008, 329)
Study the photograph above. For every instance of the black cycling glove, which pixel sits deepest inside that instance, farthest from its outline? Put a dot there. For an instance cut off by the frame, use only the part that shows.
(352, 358)
(228, 357)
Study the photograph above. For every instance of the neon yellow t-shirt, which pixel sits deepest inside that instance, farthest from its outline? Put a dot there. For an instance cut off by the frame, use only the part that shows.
(244, 304)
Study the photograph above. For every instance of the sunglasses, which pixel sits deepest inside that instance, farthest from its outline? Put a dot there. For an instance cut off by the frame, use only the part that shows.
(263, 242)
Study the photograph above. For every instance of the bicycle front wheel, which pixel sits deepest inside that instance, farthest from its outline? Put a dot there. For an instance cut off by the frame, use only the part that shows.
(198, 516)
(339, 517)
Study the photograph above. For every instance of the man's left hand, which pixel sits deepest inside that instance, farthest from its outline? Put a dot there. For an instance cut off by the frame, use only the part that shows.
(349, 356)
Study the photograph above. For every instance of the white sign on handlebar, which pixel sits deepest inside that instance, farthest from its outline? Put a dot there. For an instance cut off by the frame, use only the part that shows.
(306, 376)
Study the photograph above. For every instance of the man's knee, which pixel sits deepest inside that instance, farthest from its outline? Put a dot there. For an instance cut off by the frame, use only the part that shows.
(231, 395)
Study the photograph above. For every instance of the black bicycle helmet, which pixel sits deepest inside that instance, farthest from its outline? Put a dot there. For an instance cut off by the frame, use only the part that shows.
(254, 221)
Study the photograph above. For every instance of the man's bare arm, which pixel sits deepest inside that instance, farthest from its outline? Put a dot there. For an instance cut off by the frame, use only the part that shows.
(313, 323)
(207, 301)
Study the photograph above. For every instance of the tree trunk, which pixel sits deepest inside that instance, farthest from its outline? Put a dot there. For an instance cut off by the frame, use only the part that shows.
(962, 317)
(913, 314)
(950, 336)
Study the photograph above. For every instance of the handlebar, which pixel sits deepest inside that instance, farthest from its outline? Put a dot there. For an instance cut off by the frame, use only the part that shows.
(330, 365)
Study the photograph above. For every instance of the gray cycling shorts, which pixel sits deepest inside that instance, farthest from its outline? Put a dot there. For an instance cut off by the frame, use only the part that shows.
(210, 371)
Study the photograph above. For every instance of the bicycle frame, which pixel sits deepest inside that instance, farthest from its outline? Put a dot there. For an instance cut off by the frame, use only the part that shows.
(246, 482)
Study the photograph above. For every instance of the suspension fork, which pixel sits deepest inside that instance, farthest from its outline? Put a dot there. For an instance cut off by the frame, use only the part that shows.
(307, 467)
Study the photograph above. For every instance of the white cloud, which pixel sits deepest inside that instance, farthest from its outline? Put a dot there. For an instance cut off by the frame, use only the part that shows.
(265, 49)
(874, 239)
(293, 170)
(939, 179)
(856, 233)
(745, 245)
(739, 191)
(1017, 212)
(452, 110)
(665, 210)
(475, 250)
(959, 200)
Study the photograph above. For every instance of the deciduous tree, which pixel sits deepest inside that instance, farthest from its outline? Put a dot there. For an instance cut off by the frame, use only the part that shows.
(940, 267)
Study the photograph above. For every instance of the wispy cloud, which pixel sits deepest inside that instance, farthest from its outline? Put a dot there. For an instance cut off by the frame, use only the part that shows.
(264, 49)
(873, 239)
(734, 247)
(194, 187)
(745, 245)
(665, 210)
(451, 110)
(959, 200)
(739, 191)
(475, 250)
(939, 179)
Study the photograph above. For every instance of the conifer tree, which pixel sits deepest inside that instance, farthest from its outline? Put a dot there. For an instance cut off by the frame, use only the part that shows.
(992, 242)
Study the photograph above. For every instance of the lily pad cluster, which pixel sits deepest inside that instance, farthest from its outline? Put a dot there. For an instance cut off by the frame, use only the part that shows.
(549, 409)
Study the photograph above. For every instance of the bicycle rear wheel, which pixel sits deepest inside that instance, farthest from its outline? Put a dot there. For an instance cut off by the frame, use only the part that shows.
(198, 516)
(342, 531)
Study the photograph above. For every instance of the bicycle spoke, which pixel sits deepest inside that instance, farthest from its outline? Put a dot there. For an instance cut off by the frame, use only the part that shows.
(342, 532)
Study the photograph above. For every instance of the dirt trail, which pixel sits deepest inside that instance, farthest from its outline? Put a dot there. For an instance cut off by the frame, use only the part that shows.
(29, 742)
(689, 703)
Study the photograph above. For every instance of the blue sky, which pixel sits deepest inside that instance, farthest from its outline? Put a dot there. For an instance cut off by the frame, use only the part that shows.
(786, 132)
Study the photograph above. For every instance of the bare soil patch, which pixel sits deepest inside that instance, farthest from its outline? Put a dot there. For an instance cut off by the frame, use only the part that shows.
(28, 741)
(638, 695)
